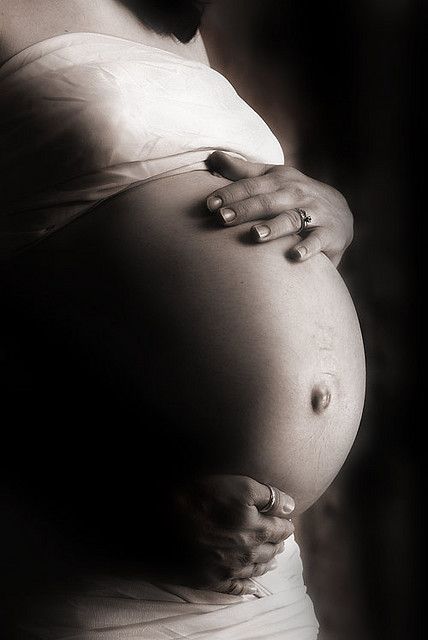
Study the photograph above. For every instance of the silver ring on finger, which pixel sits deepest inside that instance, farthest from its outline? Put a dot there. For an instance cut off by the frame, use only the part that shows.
(271, 502)
(304, 219)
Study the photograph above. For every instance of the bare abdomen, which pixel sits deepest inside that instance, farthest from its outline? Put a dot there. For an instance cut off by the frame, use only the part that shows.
(266, 354)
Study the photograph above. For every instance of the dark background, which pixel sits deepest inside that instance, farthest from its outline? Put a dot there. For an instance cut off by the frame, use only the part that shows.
(336, 82)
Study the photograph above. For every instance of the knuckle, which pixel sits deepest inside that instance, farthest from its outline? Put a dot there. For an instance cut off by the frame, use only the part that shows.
(226, 194)
(281, 532)
(291, 173)
(250, 187)
(259, 569)
(266, 201)
(280, 179)
(243, 209)
(261, 535)
(277, 178)
(241, 540)
(295, 219)
(277, 540)
(286, 527)
(247, 558)
(298, 192)
(277, 535)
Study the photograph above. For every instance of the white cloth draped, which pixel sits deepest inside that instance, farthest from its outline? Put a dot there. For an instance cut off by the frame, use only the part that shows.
(84, 115)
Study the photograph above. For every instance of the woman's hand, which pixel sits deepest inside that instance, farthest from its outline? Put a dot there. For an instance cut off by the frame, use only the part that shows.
(221, 523)
(274, 193)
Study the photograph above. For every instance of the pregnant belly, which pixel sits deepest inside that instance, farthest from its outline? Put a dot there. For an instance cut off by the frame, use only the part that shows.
(265, 356)
(257, 361)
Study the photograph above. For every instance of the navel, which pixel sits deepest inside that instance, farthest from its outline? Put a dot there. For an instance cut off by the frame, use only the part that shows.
(320, 398)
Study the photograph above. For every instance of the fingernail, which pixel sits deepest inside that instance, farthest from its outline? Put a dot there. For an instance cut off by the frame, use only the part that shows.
(289, 505)
(228, 215)
(214, 202)
(261, 231)
(301, 251)
(272, 565)
(281, 547)
(252, 589)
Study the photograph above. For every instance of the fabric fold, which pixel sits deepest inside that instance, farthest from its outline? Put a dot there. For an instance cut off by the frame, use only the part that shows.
(84, 116)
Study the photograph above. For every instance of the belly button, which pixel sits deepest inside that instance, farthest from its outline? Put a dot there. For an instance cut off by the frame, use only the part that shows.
(320, 398)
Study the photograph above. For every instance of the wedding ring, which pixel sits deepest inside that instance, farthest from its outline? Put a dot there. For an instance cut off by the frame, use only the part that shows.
(271, 502)
(305, 219)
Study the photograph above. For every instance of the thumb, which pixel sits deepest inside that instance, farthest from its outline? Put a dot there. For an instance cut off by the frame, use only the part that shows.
(282, 505)
(234, 168)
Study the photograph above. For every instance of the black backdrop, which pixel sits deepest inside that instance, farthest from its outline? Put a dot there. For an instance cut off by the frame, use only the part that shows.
(336, 82)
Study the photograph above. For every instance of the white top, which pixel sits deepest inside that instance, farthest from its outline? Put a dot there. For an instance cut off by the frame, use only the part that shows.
(85, 115)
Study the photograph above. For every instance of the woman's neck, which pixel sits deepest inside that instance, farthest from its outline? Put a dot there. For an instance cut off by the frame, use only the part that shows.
(25, 23)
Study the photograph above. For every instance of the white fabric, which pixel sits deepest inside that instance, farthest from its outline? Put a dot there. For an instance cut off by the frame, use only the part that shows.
(85, 115)
(112, 608)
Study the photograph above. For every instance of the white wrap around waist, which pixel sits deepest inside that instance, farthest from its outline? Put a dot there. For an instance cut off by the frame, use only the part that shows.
(85, 115)
(120, 609)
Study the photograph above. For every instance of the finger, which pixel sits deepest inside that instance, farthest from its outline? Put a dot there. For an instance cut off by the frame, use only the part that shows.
(237, 587)
(234, 168)
(265, 204)
(270, 529)
(261, 554)
(241, 191)
(266, 552)
(283, 504)
(315, 242)
(284, 224)
(255, 570)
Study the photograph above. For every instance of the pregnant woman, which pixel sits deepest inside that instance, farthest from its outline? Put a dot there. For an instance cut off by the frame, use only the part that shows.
(189, 375)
